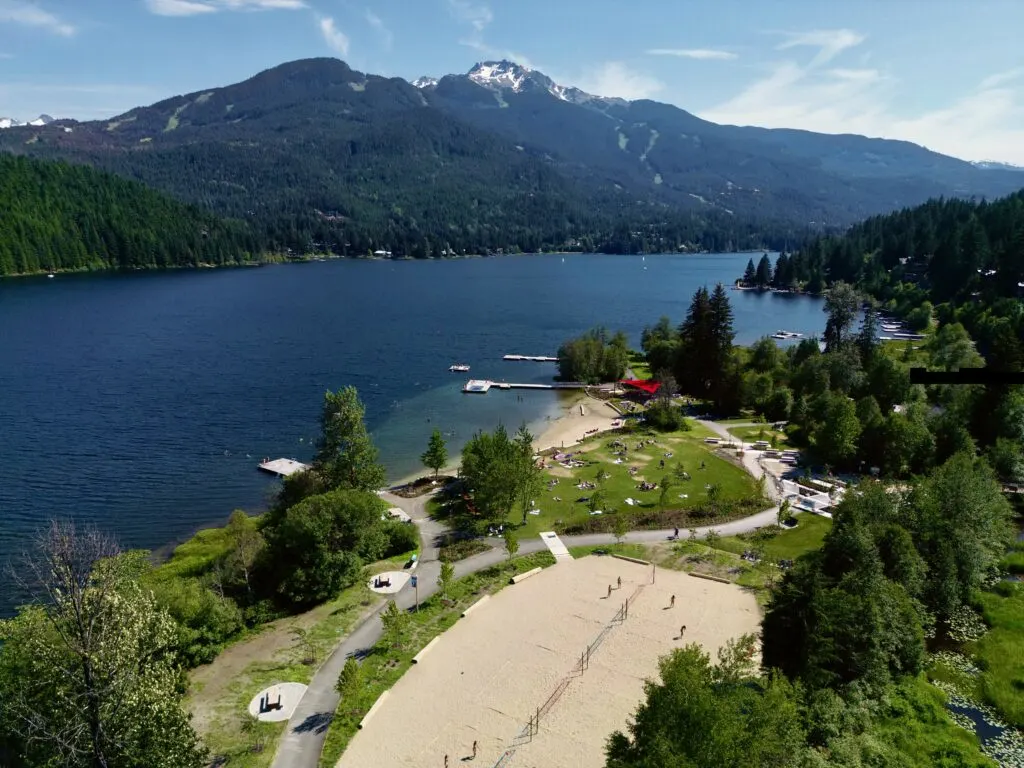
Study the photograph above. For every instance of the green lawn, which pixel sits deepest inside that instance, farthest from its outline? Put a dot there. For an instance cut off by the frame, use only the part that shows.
(788, 544)
(761, 432)
(385, 665)
(560, 504)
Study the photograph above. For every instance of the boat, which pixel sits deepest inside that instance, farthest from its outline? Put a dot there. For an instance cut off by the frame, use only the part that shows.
(458, 368)
(787, 335)
(477, 386)
(50, 275)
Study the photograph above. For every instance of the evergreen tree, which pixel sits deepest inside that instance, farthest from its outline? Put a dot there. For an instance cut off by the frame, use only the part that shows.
(749, 274)
(346, 456)
(764, 272)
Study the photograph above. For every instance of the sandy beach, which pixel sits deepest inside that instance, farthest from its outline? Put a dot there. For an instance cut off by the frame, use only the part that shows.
(572, 427)
(564, 431)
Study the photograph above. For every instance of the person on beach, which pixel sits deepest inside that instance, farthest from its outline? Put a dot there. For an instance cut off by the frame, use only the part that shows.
(672, 604)
(474, 750)
(609, 590)
(446, 761)
(682, 630)
(620, 582)
(676, 534)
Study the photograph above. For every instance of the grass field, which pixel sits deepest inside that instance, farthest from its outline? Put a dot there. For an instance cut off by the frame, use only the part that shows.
(760, 432)
(562, 504)
(384, 665)
(787, 545)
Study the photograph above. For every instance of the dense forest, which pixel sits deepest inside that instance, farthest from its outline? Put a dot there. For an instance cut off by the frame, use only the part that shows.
(959, 260)
(66, 217)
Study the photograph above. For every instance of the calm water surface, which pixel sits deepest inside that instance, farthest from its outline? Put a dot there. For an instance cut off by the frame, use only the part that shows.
(143, 402)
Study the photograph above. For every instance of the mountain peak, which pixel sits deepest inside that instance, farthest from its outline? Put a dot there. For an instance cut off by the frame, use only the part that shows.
(425, 82)
(505, 74)
(501, 74)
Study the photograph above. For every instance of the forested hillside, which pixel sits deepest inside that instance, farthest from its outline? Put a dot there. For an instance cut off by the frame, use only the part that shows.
(958, 260)
(65, 217)
(317, 156)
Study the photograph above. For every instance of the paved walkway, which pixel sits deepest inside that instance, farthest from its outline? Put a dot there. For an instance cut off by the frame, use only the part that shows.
(751, 459)
(303, 740)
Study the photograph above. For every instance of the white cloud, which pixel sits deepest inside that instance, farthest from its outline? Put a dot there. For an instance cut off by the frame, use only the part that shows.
(701, 54)
(856, 75)
(178, 7)
(829, 42)
(985, 123)
(476, 15)
(334, 37)
(616, 79)
(32, 15)
(1002, 78)
(198, 7)
(378, 24)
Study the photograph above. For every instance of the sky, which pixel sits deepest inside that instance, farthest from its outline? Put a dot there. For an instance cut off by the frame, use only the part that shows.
(947, 74)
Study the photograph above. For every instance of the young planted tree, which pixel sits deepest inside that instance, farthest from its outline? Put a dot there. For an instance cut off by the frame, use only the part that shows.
(88, 674)
(395, 622)
(305, 643)
(258, 733)
(666, 489)
(349, 680)
(785, 512)
(445, 577)
(436, 455)
(511, 544)
(346, 456)
(714, 494)
(621, 525)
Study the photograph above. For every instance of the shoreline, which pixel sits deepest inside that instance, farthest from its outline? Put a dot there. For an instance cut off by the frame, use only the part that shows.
(566, 430)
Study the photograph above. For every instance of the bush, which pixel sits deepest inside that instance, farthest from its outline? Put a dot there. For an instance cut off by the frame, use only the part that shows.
(664, 416)
(402, 537)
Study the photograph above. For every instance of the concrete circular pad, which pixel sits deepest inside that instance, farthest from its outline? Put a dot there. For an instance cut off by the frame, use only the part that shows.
(264, 705)
(398, 580)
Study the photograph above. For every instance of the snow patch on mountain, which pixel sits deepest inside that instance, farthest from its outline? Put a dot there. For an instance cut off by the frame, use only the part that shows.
(425, 82)
(507, 75)
(10, 122)
(995, 165)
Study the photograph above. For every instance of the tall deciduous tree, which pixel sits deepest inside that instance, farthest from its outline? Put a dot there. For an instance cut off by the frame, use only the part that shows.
(87, 673)
(436, 455)
(246, 546)
(841, 303)
(346, 456)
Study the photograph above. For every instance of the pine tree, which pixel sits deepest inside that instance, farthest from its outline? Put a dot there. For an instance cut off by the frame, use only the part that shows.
(764, 272)
(749, 274)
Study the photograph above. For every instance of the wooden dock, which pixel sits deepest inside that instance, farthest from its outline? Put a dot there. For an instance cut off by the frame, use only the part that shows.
(531, 358)
(283, 467)
(482, 386)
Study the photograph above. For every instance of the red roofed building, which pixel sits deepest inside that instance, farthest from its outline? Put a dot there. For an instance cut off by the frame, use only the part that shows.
(644, 385)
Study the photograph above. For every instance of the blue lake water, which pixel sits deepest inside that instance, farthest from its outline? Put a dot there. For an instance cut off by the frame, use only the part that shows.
(142, 403)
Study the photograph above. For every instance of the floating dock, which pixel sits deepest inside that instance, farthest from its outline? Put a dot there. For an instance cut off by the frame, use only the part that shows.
(283, 467)
(531, 358)
(482, 386)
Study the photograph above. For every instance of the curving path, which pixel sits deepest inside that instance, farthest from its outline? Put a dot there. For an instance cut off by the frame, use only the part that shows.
(303, 740)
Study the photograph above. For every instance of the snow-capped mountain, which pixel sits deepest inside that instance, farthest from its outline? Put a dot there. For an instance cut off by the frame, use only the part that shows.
(507, 75)
(10, 122)
(995, 165)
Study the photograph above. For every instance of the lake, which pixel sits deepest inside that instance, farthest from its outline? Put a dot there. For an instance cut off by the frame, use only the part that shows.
(143, 402)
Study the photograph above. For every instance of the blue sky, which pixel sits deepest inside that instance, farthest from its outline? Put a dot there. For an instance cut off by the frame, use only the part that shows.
(948, 74)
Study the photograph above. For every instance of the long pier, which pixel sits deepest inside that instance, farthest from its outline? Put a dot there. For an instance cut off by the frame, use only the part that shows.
(483, 386)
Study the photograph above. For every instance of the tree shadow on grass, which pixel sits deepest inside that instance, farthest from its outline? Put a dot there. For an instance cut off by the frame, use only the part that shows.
(316, 723)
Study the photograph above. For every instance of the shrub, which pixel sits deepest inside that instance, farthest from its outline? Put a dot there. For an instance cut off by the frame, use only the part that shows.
(402, 537)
